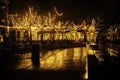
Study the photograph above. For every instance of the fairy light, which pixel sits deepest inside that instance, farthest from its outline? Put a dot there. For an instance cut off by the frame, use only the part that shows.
(42, 23)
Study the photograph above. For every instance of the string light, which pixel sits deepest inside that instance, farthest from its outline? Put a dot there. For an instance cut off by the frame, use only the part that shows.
(49, 23)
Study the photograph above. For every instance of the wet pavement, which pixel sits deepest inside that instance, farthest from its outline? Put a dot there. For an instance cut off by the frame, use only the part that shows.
(65, 64)
(105, 63)
(79, 63)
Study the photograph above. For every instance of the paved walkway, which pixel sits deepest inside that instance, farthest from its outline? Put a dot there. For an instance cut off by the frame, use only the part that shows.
(64, 64)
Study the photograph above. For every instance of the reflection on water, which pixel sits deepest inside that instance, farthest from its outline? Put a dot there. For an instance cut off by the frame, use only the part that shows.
(72, 58)
(65, 59)
(68, 59)
(86, 68)
(25, 61)
(53, 60)
(105, 51)
(113, 49)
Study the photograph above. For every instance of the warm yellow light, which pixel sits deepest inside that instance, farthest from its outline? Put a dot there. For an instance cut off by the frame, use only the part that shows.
(53, 60)
(86, 68)
(36, 24)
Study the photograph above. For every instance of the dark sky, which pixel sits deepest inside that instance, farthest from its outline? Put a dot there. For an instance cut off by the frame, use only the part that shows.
(72, 9)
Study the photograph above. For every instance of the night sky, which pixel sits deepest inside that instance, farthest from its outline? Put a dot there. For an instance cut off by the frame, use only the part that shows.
(72, 9)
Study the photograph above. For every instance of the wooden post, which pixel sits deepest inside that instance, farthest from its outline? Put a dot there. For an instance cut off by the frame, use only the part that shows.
(35, 55)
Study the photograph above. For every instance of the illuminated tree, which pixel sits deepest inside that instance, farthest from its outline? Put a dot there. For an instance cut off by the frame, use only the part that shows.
(35, 23)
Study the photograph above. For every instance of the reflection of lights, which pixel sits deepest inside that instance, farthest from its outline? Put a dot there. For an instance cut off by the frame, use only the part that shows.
(99, 56)
(53, 60)
(94, 51)
(1, 38)
(56, 60)
(86, 68)
(76, 53)
(25, 61)
(112, 52)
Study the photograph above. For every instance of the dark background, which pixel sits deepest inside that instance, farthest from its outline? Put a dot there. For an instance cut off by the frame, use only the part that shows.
(72, 9)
